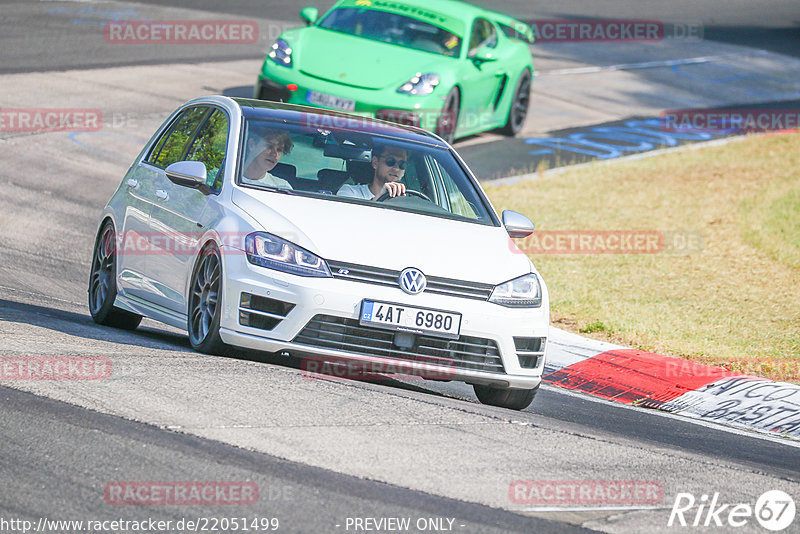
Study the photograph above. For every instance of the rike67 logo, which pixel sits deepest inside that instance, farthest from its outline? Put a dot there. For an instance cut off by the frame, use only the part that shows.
(774, 510)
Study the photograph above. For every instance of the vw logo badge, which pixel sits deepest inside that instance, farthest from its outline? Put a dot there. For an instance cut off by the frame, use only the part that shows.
(412, 281)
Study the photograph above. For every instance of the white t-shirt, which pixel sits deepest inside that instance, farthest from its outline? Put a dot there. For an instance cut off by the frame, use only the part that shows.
(269, 180)
(355, 191)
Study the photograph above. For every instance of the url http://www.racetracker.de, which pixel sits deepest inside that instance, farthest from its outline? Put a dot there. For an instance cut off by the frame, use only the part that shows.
(197, 524)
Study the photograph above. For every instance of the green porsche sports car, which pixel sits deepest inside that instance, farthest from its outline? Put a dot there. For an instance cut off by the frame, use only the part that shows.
(446, 66)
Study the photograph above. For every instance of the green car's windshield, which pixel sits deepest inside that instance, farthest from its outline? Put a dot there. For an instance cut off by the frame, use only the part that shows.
(394, 29)
(336, 164)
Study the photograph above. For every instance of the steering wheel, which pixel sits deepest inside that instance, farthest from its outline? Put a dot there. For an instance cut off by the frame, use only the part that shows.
(408, 192)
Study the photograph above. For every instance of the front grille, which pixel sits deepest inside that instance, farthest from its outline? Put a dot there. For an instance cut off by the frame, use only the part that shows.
(389, 277)
(339, 333)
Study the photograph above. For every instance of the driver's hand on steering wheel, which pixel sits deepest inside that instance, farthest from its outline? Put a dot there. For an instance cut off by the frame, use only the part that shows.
(393, 189)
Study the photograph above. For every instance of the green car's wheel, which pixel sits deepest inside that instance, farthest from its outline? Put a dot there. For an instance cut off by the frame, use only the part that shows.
(519, 105)
(103, 284)
(205, 303)
(446, 125)
(513, 399)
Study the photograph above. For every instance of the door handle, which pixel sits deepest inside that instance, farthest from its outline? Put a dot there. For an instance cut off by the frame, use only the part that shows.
(162, 195)
(132, 184)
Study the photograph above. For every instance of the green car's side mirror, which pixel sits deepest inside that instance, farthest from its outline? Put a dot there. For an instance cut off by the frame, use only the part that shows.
(309, 14)
(483, 55)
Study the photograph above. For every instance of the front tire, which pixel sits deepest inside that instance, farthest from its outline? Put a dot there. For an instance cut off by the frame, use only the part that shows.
(518, 110)
(446, 125)
(205, 304)
(103, 283)
(513, 399)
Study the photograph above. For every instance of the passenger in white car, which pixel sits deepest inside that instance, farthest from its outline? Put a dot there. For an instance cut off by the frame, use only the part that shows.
(264, 151)
(389, 163)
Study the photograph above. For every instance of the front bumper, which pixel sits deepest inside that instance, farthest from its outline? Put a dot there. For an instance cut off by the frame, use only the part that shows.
(485, 353)
(423, 111)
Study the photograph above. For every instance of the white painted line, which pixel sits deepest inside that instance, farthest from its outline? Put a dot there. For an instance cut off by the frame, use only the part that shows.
(753, 433)
(41, 295)
(642, 65)
(589, 508)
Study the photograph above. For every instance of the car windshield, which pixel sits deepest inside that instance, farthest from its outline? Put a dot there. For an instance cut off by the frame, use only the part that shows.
(340, 165)
(394, 29)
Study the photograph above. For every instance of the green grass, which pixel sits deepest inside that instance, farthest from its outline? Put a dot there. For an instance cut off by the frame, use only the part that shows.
(732, 300)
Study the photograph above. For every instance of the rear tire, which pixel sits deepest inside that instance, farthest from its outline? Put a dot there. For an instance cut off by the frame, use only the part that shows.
(205, 306)
(513, 399)
(518, 110)
(103, 283)
(446, 124)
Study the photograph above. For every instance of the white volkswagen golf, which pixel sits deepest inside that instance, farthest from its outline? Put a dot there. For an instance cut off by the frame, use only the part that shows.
(322, 236)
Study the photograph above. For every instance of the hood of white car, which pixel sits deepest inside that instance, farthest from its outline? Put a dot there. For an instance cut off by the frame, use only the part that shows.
(387, 238)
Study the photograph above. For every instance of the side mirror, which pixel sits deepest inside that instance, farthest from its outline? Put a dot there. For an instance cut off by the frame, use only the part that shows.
(517, 225)
(483, 55)
(190, 174)
(309, 14)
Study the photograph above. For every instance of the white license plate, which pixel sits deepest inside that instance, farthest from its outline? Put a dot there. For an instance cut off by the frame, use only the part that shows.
(330, 101)
(410, 319)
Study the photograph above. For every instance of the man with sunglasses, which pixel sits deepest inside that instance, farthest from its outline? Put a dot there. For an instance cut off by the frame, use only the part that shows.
(389, 163)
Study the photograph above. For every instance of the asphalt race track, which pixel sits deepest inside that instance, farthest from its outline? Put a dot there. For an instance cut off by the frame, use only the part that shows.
(327, 454)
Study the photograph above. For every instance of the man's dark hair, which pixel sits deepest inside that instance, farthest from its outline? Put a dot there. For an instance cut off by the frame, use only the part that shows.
(379, 148)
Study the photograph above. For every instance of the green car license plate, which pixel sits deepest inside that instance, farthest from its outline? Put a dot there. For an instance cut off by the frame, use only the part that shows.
(330, 101)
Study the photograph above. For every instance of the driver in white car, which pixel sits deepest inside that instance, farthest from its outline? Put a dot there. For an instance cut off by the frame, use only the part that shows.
(389, 163)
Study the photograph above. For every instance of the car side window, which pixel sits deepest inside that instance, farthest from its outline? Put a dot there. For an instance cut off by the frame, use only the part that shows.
(172, 145)
(209, 147)
(455, 200)
(482, 34)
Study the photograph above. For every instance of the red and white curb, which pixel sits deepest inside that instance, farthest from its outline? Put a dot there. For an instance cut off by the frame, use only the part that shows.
(674, 385)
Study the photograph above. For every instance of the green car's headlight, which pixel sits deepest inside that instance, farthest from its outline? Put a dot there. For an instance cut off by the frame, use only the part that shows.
(420, 84)
(281, 53)
(522, 292)
(267, 250)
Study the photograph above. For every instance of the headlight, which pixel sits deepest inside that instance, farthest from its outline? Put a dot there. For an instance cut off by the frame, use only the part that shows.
(273, 252)
(420, 84)
(281, 53)
(522, 292)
